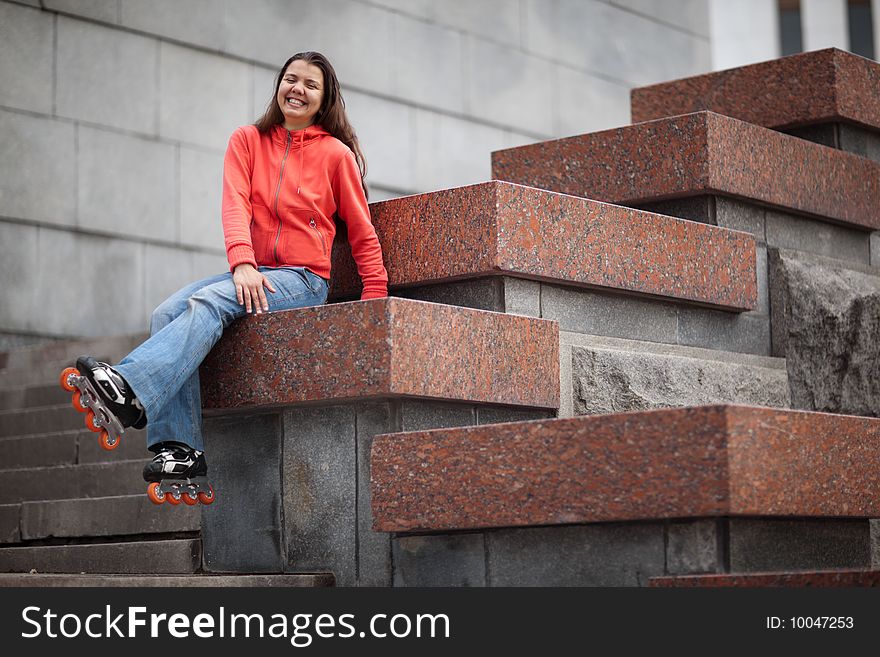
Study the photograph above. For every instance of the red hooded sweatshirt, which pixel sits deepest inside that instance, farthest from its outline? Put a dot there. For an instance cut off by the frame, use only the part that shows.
(281, 191)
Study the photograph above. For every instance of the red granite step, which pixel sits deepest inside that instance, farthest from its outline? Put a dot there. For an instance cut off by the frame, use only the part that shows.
(384, 348)
(820, 578)
(497, 228)
(810, 88)
(697, 154)
(699, 462)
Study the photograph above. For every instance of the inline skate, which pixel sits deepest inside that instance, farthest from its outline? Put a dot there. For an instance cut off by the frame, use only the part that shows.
(105, 398)
(177, 474)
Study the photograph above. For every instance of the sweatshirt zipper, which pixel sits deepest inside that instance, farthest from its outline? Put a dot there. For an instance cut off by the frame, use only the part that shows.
(277, 193)
(320, 234)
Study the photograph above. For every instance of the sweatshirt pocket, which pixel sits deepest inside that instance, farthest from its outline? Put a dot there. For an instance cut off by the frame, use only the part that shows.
(321, 239)
(262, 233)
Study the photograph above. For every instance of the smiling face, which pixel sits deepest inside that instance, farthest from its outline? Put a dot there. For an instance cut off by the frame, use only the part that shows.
(300, 94)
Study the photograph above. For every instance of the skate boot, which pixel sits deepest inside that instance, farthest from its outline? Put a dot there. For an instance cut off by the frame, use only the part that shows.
(177, 473)
(105, 398)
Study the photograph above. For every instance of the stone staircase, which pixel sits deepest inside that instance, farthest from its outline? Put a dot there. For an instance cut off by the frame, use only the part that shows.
(600, 368)
(72, 509)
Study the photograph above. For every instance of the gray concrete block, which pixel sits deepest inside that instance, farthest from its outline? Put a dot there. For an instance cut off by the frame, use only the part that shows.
(92, 311)
(416, 45)
(416, 415)
(9, 523)
(40, 451)
(694, 546)
(201, 183)
(451, 152)
(614, 381)
(105, 11)
(169, 557)
(320, 491)
(715, 329)
(19, 398)
(481, 293)
(38, 170)
(139, 199)
(263, 78)
(373, 548)
(875, 249)
(653, 52)
(164, 581)
(599, 313)
(588, 103)
(95, 67)
(269, 32)
(166, 270)
(365, 56)
(132, 447)
(72, 481)
(860, 141)
(775, 544)
(826, 316)
(26, 65)
(618, 554)
(200, 22)
(511, 86)
(22, 422)
(690, 15)
(242, 530)
(18, 253)
(380, 122)
(826, 134)
(739, 215)
(693, 208)
(787, 231)
(498, 20)
(208, 264)
(521, 297)
(440, 560)
(202, 97)
(105, 516)
(496, 414)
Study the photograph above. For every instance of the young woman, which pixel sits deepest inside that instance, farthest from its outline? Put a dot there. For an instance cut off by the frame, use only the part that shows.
(284, 180)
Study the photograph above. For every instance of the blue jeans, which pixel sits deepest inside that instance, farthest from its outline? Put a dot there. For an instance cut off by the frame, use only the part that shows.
(163, 372)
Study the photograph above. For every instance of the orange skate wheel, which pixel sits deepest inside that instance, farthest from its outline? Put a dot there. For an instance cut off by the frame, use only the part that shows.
(207, 497)
(153, 493)
(91, 422)
(173, 501)
(76, 402)
(188, 498)
(64, 375)
(104, 441)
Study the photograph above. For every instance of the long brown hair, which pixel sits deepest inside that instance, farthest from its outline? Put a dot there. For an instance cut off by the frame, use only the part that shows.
(331, 116)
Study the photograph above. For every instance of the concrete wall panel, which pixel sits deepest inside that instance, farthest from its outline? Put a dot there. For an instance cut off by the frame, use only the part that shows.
(199, 22)
(106, 11)
(127, 185)
(508, 86)
(201, 186)
(87, 285)
(37, 169)
(26, 64)
(203, 97)
(429, 66)
(106, 76)
(18, 259)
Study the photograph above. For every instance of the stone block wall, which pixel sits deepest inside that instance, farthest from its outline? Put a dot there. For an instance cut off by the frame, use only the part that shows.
(115, 116)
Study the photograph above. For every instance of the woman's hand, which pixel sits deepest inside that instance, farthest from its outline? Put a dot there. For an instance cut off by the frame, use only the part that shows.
(249, 284)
